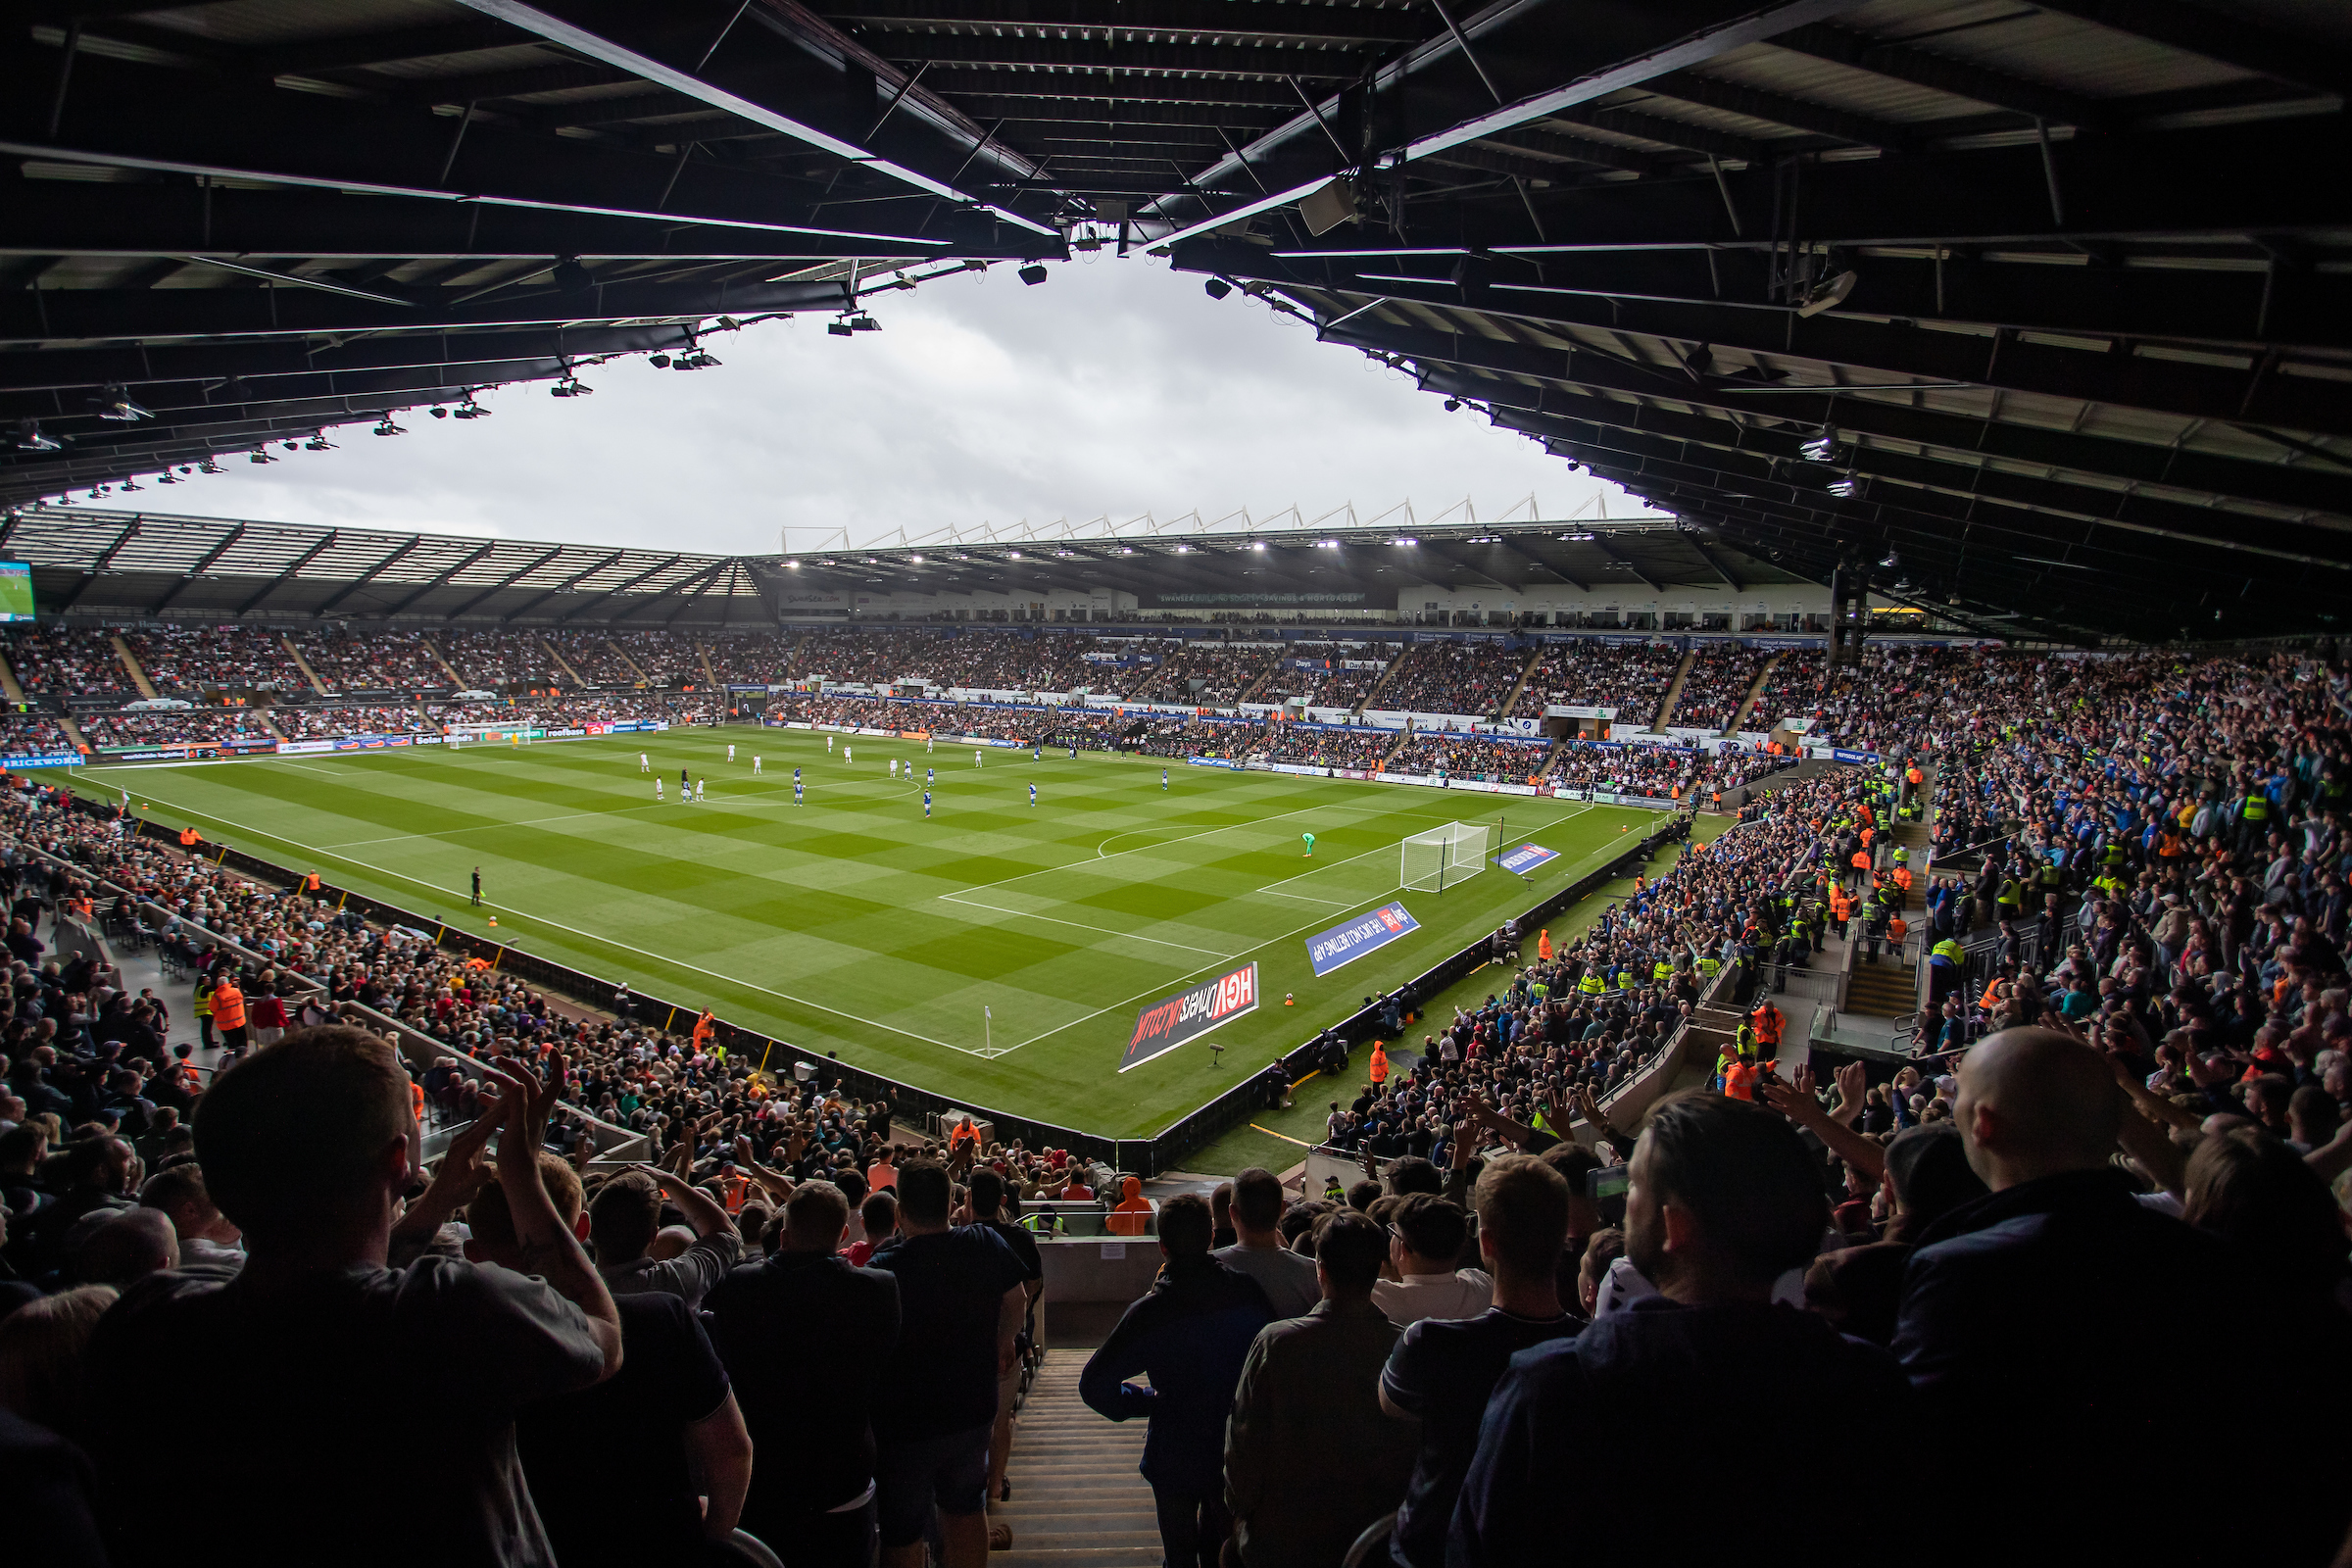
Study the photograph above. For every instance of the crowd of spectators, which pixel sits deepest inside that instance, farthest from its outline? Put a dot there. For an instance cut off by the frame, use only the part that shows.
(324, 723)
(228, 657)
(1470, 679)
(1493, 758)
(1715, 686)
(1325, 680)
(378, 661)
(1314, 746)
(195, 726)
(1630, 677)
(30, 734)
(1224, 672)
(2034, 1249)
(1180, 735)
(78, 662)
(1661, 772)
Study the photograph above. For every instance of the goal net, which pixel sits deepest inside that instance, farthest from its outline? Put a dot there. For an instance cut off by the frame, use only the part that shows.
(1439, 858)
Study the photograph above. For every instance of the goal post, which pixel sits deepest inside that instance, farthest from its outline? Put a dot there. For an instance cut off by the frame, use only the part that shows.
(1436, 860)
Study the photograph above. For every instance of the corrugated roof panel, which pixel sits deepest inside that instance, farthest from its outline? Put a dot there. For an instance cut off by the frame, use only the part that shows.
(521, 54)
(2084, 57)
(169, 547)
(430, 559)
(266, 549)
(283, 21)
(504, 560)
(1836, 87)
(352, 556)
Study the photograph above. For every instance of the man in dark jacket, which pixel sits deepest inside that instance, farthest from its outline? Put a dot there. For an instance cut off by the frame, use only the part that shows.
(2053, 1327)
(803, 1332)
(1723, 1199)
(1191, 1334)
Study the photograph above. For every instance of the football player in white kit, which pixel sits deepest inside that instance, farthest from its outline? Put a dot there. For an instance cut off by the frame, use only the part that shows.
(845, 752)
(828, 745)
(701, 789)
(975, 757)
(645, 764)
(657, 786)
(754, 768)
(894, 767)
(730, 750)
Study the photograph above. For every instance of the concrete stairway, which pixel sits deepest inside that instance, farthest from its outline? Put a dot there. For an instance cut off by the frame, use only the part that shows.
(303, 664)
(1077, 1500)
(1755, 694)
(1882, 989)
(1527, 672)
(130, 665)
(1673, 693)
(634, 667)
(1386, 675)
(8, 682)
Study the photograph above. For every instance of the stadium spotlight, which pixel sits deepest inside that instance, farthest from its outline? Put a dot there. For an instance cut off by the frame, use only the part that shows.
(917, 560)
(385, 426)
(861, 323)
(438, 411)
(209, 465)
(1891, 561)
(792, 565)
(293, 446)
(1823, 448)
(95, 492)
(1217, 288)
(1405, 541)
(1014, 555)
(1829, 294)
(166, 477)
(1033, 273)
(659, 361)
(130, 484)
(1184, 550)
(838, 328)
(28, 438)
(259, 455)
(1258, 543)
(1844, 487)
(318, 443)
(1452, 404)
(115, 404)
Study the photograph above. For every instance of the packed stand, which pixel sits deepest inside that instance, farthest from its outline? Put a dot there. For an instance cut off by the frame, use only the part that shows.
(1168, 735)
(33, 734)
(1713, 689)
(1480, 756)
(187, 660)
(1326, 681)
(1469, 678)
(197, 726)
(747, 659)
(61, 662)
(1169, 669)
(668, 659)
(1631, 677)
(325, 723)
(491, 660)
(593, 656)
(1314, 746)
(380, 660)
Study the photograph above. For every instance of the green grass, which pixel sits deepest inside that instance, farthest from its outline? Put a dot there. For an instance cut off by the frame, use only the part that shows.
(1279, 1138)
(852, 924)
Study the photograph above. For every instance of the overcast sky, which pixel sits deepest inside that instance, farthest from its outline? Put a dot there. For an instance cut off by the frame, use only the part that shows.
(1116, 387)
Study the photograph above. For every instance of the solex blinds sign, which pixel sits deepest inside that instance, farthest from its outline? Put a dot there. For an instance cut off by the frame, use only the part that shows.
(1344, 943)
(1210, 1004)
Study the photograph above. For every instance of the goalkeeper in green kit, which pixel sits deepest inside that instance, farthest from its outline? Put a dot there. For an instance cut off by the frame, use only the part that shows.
(1310, 846)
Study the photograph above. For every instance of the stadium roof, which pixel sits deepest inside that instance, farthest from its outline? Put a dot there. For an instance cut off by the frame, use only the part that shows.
(122, 563)
(2044, 303)
(157, 564)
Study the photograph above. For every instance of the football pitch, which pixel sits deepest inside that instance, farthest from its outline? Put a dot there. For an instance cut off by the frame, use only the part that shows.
(997, 952)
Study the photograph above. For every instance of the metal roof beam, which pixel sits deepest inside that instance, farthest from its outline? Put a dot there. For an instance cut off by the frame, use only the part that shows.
(2233, 38)
(508, 580)
(1216, 18)
(203, 566)
(293, 570)
(267, 313)
(564, 586)
(399, 553)
(1949, 437)
(617, 589)
(997, 51)
(468, 559)
(149, 118)
(1713, 564)
(651, 45)
(1923, 68)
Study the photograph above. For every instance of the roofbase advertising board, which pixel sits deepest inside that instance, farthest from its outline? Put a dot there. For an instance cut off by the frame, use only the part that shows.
(1187, 1015)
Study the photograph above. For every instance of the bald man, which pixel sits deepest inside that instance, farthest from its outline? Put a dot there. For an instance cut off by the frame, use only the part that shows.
(2059, 1335)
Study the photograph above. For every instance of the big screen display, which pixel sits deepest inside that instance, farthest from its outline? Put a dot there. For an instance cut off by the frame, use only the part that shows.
(16, 591)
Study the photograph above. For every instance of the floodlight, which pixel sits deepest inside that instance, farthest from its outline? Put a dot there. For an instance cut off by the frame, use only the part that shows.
(1452, 404)
(659, 361)
(1217, 288)
(1823, 448)
(838, 328)
(1828, 294)
(1033, 274)
(1843, 488)
(115, 404)
(438, 411)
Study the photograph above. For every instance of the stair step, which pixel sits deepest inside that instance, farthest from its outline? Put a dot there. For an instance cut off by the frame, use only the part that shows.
(1047, 1540)
(1078, 1557)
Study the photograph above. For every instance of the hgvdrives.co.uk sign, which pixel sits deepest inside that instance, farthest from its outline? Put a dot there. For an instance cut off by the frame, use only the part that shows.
(1210, 1004)
(1343, 943)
